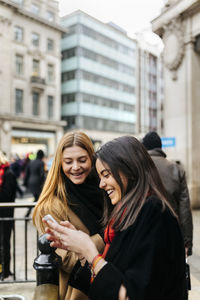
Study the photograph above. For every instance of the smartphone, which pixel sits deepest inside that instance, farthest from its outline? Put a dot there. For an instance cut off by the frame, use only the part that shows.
(49, 217)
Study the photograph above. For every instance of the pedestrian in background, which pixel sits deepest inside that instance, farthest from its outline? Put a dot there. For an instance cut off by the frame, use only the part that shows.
(144, 256)
(71, 193)
(16, 167)
(174, 180)
(8, 185)
(35, 177)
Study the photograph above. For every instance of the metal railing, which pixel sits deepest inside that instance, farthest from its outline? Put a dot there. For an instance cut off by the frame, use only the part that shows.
(23, 241)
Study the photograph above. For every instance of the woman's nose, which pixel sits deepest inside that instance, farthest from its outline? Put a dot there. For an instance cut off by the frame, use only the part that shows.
(102, 184)
(75, 165)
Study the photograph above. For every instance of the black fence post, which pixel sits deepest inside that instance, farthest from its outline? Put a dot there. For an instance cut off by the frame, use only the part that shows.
(47, 271)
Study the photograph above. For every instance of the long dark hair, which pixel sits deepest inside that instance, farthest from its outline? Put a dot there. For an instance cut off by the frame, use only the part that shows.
(128, 157)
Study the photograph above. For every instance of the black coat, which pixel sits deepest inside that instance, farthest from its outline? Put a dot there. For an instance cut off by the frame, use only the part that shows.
(8, 192)
(148, 258)
(35, 176)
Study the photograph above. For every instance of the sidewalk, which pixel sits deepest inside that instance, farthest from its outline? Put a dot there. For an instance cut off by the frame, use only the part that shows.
(27, 289)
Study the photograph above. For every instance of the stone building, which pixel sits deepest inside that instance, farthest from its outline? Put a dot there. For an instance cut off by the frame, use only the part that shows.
(179, 27)
(29, 76)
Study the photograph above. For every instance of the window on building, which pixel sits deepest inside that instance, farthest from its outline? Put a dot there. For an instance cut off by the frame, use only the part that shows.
(36, 67)
(35, 107)
(68, 75)
(68, 53)
(50, 73)
(50, 16)
(35, 8)
(71, 121)
(68, 98)
(50, 44)
(50, 104)
(19, 101)
(35, 39)
(19, 64)
(18, 33)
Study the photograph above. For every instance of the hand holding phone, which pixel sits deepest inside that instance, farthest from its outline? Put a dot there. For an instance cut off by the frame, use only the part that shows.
(49, 218)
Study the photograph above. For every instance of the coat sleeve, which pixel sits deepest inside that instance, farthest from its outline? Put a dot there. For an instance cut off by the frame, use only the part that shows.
(184, 212)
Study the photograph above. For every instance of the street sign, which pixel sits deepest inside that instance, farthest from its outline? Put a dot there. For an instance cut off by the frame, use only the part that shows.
(168, 142)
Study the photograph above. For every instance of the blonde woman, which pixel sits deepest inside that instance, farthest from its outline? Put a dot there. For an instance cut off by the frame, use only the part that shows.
(71, 193)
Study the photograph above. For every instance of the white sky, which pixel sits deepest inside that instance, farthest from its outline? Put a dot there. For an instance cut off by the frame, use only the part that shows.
(131, 15)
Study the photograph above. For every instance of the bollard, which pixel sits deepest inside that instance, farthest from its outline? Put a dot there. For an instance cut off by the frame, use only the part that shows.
(47, 271)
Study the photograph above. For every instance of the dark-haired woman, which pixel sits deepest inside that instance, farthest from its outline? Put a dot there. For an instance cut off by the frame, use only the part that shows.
(144, 256)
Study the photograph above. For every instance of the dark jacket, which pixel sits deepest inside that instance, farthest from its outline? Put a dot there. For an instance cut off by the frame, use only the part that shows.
(148, 258)
(35, 176)
(8, 192)
(174, 180)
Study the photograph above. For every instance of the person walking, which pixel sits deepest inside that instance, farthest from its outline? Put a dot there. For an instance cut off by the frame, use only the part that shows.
(35, 177)
(144, 256)
(8, 186)
(16, 166)
(71, 193)
(174, 180)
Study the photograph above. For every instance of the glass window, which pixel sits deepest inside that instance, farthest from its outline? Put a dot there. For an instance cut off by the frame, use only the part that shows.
(35, 39)
(19, 64)
(19, 101)
(50, 102)
(36, 67)
(18, 33)
(35, 108)
(50, 16)
(50, 44)
(50, 73)
(35, 8)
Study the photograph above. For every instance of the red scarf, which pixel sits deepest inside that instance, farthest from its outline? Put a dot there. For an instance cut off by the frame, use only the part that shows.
(2, 171)
(109, 234)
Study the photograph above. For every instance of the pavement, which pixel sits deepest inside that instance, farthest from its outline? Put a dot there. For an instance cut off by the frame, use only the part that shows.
(27, 289)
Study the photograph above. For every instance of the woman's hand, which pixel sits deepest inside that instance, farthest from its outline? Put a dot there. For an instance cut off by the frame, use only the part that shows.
(64, 237)
(67, 224)
(122, 293)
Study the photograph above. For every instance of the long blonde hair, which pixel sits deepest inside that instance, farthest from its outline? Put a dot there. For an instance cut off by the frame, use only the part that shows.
(54, 185)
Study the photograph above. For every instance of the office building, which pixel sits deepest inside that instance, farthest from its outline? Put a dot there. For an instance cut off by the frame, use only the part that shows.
(99, 64)
(150, 98)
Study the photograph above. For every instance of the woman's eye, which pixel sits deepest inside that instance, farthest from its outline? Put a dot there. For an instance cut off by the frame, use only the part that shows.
(106, 175)
(83, 161)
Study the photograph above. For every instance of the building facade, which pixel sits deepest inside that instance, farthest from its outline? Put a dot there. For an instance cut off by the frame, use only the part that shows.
(30, 110)
(150, 85)
(99, 65)
(179, 27)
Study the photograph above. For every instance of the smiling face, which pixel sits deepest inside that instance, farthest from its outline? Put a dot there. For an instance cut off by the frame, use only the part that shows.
(76, 164)
(108, 182)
